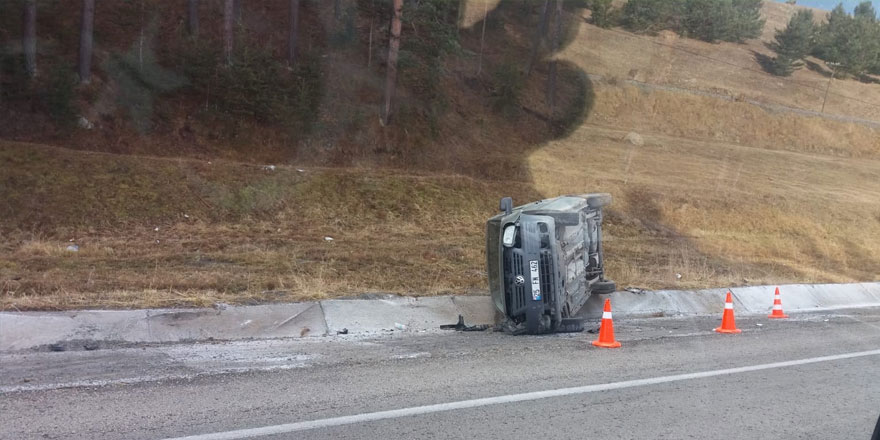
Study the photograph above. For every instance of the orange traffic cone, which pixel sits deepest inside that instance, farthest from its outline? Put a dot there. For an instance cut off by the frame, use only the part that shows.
(606, 329)
(728, 324)
(777, 307)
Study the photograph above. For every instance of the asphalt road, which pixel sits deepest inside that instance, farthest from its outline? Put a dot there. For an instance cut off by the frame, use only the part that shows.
(813, 376)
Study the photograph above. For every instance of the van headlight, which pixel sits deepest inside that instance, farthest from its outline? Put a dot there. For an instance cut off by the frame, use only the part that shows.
(509, 236)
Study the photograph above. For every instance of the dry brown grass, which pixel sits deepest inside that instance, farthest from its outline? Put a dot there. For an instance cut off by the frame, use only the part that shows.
(721, 214)
(723, 193)
(230, 232)
(701, 117)
(726, 68)
(716, 213)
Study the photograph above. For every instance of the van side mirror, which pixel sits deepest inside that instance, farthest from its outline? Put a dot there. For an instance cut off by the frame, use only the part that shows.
(506, 205)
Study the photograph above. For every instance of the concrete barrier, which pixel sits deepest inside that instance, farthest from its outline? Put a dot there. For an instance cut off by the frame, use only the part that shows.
(750, 300)
(809, 297)
(413, 314)
(24, 330)
(32, 329)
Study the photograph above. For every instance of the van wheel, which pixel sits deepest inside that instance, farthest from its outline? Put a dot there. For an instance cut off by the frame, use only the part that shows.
(603, 287)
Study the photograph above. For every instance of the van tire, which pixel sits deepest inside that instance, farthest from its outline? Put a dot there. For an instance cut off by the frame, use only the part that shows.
(603, 287)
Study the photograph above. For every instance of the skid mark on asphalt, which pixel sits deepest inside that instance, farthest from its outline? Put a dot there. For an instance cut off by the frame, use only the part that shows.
(869, 324)
(143, 379)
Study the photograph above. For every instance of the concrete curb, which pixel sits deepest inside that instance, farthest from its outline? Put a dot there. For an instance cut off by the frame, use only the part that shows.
(751, 300)
(25, 330)
(32, 329)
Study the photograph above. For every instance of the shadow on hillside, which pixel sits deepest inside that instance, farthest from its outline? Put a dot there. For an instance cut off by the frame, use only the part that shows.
(765, 61)
(537, 116)
(818, 68)
(645, 244)
(456, 121)
(869, 79)
(824, 71)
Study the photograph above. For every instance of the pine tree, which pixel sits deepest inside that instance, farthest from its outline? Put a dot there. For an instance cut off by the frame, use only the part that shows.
(793, 43)
(724, 20)
(865, 10)
(705, 19)
(861, 51)
(747, 22)
(851, 41)
(601, 13)
(652, 15)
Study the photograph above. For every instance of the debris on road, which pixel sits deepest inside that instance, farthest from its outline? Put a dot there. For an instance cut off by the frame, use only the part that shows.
(462, 327)
(571, 325)
(399, 326)
(342, 332)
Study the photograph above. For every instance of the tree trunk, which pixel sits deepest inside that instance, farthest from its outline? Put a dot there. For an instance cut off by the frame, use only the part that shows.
(483, 35)
(236, 9)
(29, 37)
(370, 45)
(292, 32)
(391, 70)
(142, 37)
(372, 25)
(192, 17)
(551, 80)
(539, 35)
(228, 20)
(86, 31)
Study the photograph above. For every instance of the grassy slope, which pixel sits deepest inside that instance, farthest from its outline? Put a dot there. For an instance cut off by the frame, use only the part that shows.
(722, 214)
(726, 68)
(230, 231)
(723, 193)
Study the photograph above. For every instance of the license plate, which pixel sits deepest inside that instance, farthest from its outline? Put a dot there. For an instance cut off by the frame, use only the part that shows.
(536, 280)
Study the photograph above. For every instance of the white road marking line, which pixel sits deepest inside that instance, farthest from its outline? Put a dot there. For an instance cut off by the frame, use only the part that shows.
(512, 398)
